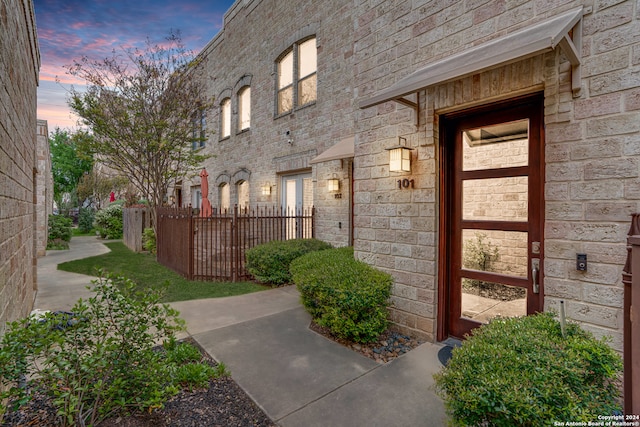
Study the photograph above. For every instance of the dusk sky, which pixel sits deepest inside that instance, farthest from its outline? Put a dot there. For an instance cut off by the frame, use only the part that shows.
(71, 29)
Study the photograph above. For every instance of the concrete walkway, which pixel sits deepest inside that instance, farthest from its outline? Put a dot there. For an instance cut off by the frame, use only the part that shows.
(299, 378)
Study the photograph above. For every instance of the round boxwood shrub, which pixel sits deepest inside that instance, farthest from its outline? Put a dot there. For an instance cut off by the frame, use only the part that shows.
(521, 371)
(345, 295)
(269, 262)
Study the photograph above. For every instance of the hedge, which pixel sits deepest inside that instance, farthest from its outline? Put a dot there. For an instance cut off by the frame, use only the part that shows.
(521, 371)
(345, 295)
(269, 262)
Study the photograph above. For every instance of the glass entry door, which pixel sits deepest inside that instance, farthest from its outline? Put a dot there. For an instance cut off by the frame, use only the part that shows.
(297, 200)
(492, 213)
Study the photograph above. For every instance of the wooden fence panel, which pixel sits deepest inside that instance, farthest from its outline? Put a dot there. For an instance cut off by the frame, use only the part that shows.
(134, 221)
(174, 240)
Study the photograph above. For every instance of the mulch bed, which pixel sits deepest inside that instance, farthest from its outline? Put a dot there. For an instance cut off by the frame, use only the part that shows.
(224, 403)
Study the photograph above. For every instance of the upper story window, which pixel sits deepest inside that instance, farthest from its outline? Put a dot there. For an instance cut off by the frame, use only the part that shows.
(244, 108)
(307, 67)
(198, 129)
(297, 79)
(225, 117)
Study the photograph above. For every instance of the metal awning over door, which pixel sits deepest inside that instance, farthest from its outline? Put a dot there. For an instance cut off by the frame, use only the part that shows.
(341, 150)
(564, 30)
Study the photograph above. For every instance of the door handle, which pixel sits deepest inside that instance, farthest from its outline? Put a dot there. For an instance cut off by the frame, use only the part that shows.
(535, 272)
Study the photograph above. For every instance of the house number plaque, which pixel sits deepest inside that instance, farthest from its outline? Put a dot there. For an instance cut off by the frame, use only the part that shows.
(406, 183)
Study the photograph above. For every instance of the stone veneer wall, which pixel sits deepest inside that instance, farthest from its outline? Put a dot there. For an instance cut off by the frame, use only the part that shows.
(592, 180)
(245, 51)
(19, 65)
(44, 192)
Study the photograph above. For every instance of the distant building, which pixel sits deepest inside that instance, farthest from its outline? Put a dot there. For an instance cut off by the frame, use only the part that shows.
(519, 123)
(23, 165)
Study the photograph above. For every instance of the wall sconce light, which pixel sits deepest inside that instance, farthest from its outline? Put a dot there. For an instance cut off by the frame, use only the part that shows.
(173, 199)
(400, 156)
(266, 189)
(333, 184)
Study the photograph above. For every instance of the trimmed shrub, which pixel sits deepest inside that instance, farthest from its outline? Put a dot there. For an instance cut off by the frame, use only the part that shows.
(108, 221)
(345, 295)
(59, 232)
(521, 371)
(149, 240)
(269, 262)
(85, 220)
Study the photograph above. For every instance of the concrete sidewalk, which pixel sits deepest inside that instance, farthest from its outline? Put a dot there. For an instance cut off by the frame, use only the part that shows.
(59, 290)
(298, 377)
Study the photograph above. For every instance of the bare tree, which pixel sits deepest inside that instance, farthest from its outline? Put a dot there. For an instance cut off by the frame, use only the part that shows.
(145, 109)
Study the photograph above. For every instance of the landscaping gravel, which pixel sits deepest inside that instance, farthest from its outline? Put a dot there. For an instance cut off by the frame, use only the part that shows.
(388, 346)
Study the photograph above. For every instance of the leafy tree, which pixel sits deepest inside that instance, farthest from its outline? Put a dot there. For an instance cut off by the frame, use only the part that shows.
(142, 107)
(68, 164)
(96, 186)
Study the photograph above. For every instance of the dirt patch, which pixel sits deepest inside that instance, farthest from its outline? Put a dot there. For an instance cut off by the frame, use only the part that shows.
(494, 291)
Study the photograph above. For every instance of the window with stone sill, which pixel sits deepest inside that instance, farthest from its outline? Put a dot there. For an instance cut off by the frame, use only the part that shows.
(224, 197)
(198, 129)
(243, 194)
(225, 118)
(297, 76)
(244, 108)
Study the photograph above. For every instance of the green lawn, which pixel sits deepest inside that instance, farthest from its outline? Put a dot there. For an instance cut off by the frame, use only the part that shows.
(144, 270)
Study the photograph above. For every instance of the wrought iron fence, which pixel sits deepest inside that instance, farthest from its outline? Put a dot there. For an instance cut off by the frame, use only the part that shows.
(213, 247)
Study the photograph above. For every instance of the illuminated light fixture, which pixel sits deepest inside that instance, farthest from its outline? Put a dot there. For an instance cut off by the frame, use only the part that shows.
(266, 189)
(333, 184)
(400, 156)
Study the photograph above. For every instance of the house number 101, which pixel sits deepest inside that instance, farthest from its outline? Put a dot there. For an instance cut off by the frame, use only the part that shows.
(405, 183)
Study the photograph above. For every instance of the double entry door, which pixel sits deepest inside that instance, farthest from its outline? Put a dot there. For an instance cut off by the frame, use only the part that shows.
(297, 201)
(491, 214)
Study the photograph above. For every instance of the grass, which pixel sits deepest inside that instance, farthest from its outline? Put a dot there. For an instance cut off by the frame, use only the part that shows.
(144, 270)
(75, 231)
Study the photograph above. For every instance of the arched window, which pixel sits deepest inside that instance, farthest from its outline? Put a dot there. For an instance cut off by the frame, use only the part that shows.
(297, 76)
(224, 197)
(285, 83)
(198, 129)
(243, 194)
(307, 67)
(225, 117)
(244, 108)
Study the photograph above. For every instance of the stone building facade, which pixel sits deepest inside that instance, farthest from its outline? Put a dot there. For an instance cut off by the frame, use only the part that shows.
(269, 162)
(582, 188)
(19, 67)
(522, 122)
(44, 188)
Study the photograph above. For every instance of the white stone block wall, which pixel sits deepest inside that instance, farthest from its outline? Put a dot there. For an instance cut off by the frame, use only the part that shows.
(592, 157)
(19, 65)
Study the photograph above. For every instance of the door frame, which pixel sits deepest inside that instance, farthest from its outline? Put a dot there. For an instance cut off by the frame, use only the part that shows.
(446, 208)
